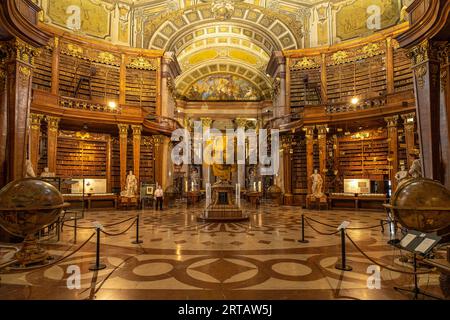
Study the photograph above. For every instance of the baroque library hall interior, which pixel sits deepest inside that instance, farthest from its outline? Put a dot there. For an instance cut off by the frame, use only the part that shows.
(225, 150)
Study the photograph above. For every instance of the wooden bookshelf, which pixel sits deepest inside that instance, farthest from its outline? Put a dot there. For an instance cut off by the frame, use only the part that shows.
(104, 79)
(115, 165)
(302, 93)
(403, 77)
(42, 72)
(363, 77)
(140, 89)
(146, 174)
(42, 162)
(362, 158)
(299, 180)
(81, 158)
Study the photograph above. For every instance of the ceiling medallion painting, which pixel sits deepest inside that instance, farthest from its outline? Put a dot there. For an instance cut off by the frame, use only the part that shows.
(222, 9)
(222, 87)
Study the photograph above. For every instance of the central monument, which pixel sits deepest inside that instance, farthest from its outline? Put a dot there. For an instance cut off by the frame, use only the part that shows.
(223, 206)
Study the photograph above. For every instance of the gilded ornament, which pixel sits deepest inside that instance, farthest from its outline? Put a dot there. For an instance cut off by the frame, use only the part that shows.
(74, 50)
(142, 63)
(370, 50)
(106, 58)
(25, 71)
(339, 57)
(305, 63)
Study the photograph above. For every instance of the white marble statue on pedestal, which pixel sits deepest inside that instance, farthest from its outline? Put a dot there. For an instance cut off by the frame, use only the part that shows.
(401, 176)
(317, 183)
(195, 178)
(130, 186)
(416, 169)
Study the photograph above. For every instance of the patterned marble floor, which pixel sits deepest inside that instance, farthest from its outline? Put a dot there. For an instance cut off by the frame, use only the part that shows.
(181, 258)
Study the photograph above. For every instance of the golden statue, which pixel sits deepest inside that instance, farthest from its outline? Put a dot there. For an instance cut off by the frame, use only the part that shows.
(221, 170)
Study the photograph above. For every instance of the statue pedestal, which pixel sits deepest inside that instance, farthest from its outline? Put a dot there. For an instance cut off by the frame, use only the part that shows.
(222, 207)
(193, 197)
(313, 202)
(254, 197)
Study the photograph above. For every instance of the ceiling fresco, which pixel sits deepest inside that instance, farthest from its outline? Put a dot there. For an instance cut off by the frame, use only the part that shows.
(234, 37)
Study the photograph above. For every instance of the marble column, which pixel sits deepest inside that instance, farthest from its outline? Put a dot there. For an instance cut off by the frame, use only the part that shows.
(122, 80)
(389, 66)
(409, 121)
(157, 145)
(322, 141)
(52, 142)
(393, 148)
(287, 169)
(123, 141)
(55, 66)
(3, 125)
(206, 169)
(167, 167)
(425, 63)
(309, 136)
(35, 133)
(17, 60)
(136, 150)
(241, 124)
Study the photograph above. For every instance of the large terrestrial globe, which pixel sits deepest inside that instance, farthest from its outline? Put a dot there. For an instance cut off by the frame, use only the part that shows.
(422, 204)
(26, 206)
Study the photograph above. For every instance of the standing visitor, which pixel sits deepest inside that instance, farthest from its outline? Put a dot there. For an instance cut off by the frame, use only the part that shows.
(159, 195)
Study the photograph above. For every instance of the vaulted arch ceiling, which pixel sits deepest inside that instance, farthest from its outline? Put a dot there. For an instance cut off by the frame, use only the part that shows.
(239, 45)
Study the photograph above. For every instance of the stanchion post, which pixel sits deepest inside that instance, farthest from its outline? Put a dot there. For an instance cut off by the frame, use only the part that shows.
(58, 230)
(343, 265)
(137, 241)
(97, 265)
(75, 225)
(302, 240)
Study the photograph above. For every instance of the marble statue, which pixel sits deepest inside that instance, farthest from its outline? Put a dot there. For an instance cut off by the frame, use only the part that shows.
(252, 180)
(46, 173)
(416, 169)
(29, 172)
(317, 183)
(401, 176)
(130, 186)
(195, 179)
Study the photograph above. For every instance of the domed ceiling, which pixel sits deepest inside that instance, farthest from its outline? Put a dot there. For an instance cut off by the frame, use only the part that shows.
(229, 38)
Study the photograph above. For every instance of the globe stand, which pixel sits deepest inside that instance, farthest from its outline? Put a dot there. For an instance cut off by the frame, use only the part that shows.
(31, 252)
(416, 290)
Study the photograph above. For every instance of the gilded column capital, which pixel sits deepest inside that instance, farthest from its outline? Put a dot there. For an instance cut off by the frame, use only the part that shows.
(137, 130)
(35, 120)
(123, 129)
(16, 49)
(322, 129)
(409, 118)
(158, 140)
(309, 131)
(52, 123)
(391, 121)
(241, 122)
(206, 122)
